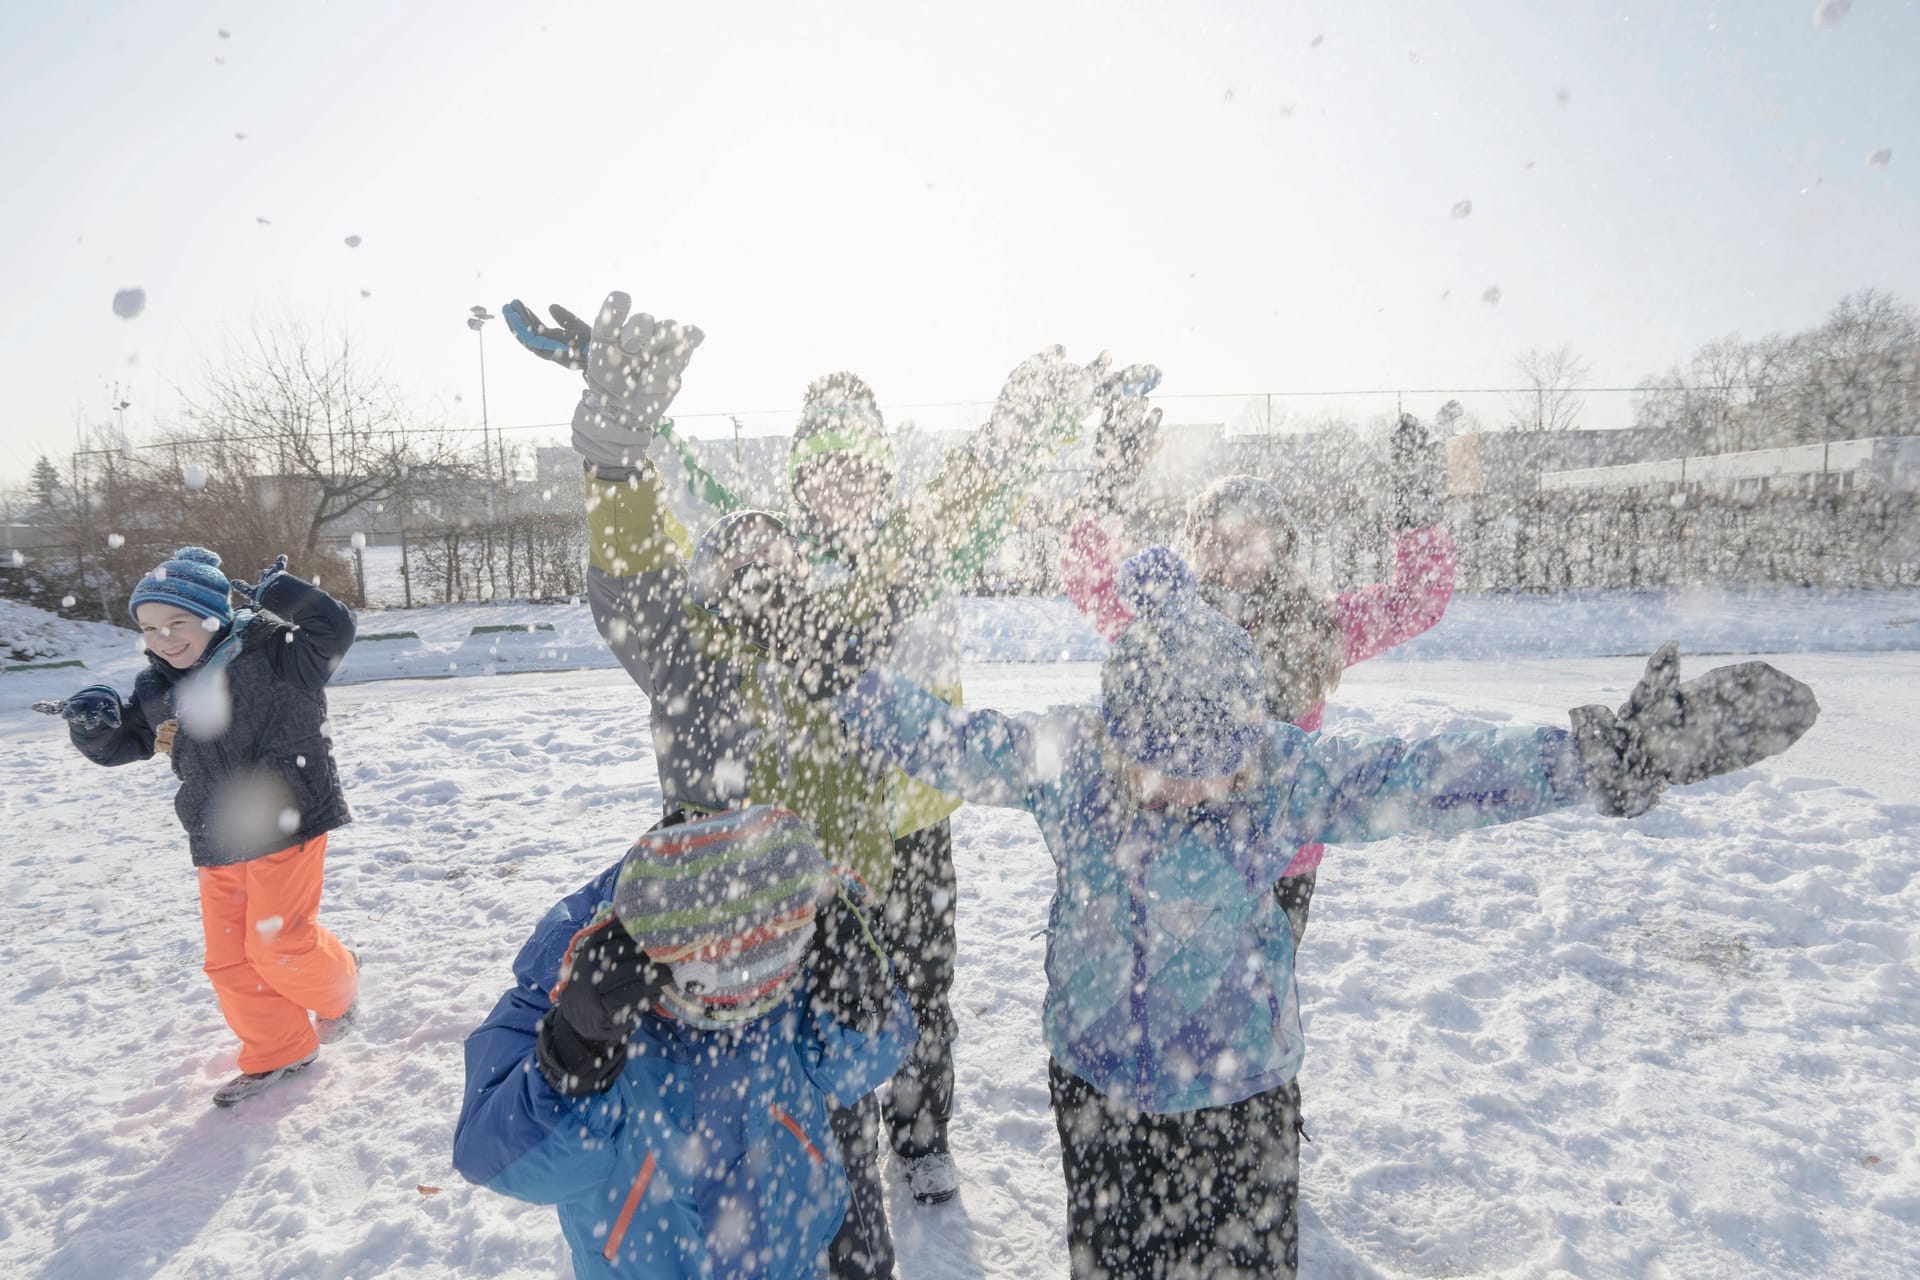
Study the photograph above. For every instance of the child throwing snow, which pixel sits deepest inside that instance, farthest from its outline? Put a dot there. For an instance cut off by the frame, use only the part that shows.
(664, 1067)
(1243, 541)
(1170, 810)
(238, 701)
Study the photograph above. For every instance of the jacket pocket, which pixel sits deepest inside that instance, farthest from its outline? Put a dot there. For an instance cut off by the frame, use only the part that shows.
(625, 1220)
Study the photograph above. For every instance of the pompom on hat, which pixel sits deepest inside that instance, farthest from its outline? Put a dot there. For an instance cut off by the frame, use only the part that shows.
(1182, 689)
(191, 579)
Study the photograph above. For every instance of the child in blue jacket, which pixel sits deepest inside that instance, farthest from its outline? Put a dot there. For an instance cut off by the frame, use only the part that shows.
(1170, 810)
(663, 1068)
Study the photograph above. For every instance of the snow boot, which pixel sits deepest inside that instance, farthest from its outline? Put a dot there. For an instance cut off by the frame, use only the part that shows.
(934, 1178)
(244, 1086)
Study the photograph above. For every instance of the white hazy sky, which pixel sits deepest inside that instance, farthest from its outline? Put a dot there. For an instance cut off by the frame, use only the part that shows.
(1256, 196)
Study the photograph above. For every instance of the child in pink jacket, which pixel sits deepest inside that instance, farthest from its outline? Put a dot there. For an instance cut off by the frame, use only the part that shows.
(1242, 541)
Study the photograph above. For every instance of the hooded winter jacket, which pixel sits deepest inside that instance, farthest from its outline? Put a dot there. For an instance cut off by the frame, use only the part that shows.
(266, 779)
(710, 1156)
(1169, 964)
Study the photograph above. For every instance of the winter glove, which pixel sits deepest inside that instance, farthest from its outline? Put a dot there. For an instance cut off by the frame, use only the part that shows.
(564, 342)
(1129, 433)
(1045, 397)
(95, 709)
(1416, 477)
(251, 592)
(851, 979)
(606, 983)
(1672, 734)
(633, 372)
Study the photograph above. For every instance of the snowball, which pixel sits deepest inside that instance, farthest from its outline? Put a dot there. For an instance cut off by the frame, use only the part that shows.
(1563, 96)
(225, 34)
(1461, 208)
(195, 478)
(115, 542)
(239, 137)
(1492, 295)
(1828, 12)
(209, 624)
(1881, 158)
(366, 293)
(289, 821)
(17, 558)
(128, 303)
(66, 602)
(359, 541)
(353, 242)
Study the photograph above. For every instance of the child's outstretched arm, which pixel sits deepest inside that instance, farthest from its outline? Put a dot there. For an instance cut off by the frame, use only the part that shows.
(1375, 618)
(983, 756)
(1667, 734)
(105, 729)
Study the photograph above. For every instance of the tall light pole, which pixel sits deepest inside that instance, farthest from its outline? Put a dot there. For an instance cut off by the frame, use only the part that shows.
(477, 321)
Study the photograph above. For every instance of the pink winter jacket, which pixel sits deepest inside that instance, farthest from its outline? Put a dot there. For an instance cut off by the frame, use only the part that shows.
(1373, 619)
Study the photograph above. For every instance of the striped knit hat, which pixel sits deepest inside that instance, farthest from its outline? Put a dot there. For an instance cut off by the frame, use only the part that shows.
(190, 579)
(727, 902)
(840, 415)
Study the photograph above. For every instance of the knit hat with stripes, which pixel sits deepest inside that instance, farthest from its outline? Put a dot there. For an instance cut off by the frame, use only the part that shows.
(726, 901)
(191, 579)
(840, 416)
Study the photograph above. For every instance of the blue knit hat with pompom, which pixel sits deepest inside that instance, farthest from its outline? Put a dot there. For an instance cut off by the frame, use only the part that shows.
(191, 579)
(1182, 688)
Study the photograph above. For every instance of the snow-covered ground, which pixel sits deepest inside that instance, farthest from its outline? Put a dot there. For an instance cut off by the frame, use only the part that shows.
(1682, 1046)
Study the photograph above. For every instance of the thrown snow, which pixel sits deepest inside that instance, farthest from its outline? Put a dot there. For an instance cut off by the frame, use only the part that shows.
(1683, 1045)
(128, 303)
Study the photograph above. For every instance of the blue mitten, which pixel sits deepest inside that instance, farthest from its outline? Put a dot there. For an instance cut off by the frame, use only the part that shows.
(633, 373)
(564, 342)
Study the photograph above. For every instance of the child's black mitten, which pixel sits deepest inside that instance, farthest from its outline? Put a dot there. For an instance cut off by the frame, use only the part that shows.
(606, 983)
(851, 979)
(1672, 734)
(1416, 477)
(94, 709)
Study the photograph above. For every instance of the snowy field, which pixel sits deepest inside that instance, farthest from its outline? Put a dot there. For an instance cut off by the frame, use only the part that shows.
(1682, 1046)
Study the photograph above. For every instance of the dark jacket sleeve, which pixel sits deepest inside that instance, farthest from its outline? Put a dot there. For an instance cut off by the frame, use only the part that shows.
(323, 631)
(132, 740)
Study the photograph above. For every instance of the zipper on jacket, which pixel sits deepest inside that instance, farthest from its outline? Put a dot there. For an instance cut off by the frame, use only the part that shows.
(621, 1223)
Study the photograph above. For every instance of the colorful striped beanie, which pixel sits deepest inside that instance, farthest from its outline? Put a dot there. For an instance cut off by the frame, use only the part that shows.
(191, 579)
(727, 901)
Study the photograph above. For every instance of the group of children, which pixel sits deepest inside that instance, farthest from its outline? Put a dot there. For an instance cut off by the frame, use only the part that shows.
(691, 1062)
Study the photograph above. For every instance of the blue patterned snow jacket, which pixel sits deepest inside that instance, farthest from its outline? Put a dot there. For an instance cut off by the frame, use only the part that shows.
(1169, 964)
(711, 1156)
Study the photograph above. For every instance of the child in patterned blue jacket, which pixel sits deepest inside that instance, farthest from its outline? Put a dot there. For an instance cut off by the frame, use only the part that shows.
(1171, 1014)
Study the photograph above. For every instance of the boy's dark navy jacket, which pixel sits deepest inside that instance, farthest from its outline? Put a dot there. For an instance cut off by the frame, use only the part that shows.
(710, 1156)
(268, 782)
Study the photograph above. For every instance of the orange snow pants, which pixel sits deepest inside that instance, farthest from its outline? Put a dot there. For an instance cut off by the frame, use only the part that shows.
(268, 957)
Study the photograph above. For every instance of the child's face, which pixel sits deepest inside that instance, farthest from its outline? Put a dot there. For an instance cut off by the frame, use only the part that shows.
(841, 493)
(1158, 790)
(1234, 553)
(179, 637)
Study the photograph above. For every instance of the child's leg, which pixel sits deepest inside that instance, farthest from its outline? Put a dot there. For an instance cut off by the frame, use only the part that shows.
(1113, 1221)
(863, 1247)
(1235, 1188)
(295, 956)
(274, 1032)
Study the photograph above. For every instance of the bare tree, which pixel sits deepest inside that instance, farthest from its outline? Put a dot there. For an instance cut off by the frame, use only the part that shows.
(320, 430)
(1551, 378)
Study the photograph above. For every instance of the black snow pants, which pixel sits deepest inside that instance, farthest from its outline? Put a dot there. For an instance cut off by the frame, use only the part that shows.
(1203, 1195)
(916, 926)
(863, 1247)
